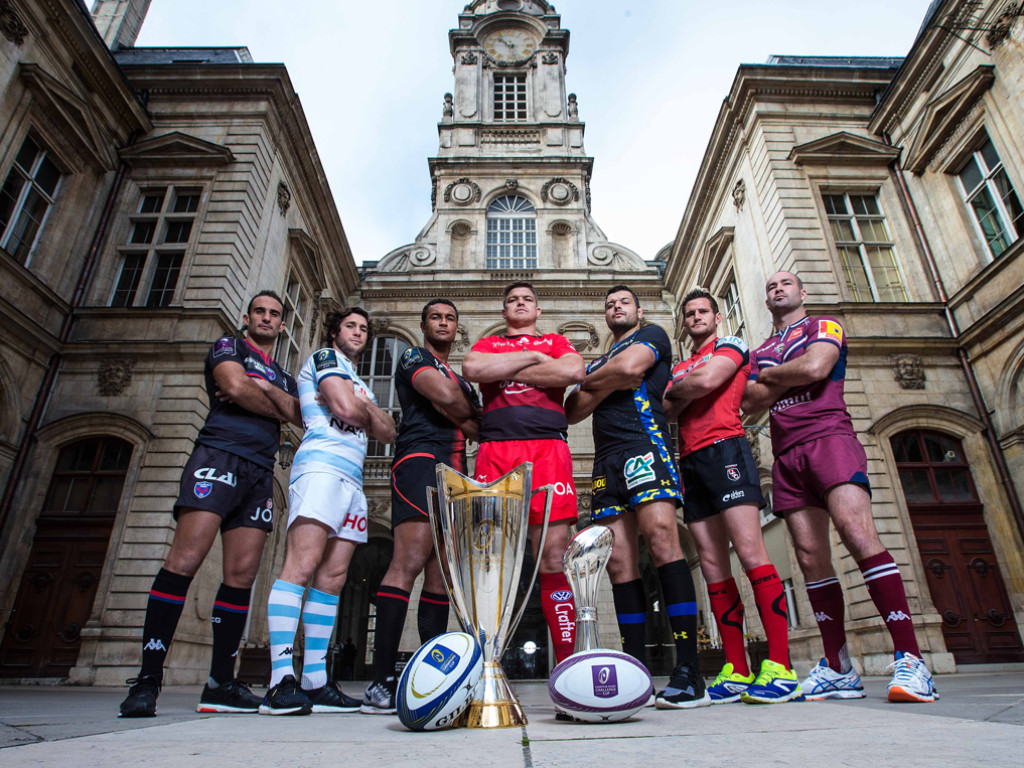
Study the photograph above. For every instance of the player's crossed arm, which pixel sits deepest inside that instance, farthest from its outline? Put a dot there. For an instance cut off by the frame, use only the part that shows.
(236, 386)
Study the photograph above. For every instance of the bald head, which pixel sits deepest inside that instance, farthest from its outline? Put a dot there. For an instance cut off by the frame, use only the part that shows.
(778, 275)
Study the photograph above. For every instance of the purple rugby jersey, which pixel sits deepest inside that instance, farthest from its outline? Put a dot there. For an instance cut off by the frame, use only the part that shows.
(814, 410)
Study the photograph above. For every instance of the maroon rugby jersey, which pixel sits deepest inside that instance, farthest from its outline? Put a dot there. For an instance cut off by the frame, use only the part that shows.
(813, 410)
(516, 411)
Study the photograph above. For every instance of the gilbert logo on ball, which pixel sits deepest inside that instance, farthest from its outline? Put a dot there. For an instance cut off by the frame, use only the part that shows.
(439, 682)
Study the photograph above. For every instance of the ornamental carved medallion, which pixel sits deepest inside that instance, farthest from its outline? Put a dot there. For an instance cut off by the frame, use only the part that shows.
(581, 335)
(462, 192)
(284, 198)
(115, 376)
(560, 192)
(11, 25)
(907, 371)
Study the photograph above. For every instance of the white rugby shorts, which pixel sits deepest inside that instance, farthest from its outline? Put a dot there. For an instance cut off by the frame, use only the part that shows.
(331, 500)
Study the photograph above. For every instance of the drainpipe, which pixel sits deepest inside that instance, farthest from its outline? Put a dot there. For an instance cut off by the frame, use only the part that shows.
(57, 359)
(965, 361)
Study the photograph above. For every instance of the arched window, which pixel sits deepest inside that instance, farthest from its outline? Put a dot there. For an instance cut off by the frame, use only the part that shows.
(511, 233)
(377, 368)
(933, 469)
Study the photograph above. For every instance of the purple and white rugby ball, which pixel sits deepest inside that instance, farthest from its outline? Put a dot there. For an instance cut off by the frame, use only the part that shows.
(600, 686)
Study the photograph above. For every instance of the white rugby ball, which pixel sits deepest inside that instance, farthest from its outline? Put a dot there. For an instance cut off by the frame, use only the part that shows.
(600, 686)
(438, 682)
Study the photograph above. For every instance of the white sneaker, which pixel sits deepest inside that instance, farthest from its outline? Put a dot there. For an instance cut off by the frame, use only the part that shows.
(823, 682)
(911, 679)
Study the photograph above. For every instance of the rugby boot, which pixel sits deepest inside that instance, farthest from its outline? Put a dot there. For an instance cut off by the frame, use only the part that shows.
(141, 698)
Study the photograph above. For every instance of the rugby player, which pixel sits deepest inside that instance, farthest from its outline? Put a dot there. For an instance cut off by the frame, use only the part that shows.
(226, 486)
(439, 412)
(326, 516)
(523, 376)
(722, 495)
(635, 485)
(820, 474)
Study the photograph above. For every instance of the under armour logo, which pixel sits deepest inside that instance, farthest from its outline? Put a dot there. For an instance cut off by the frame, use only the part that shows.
(679, 635)
(897, 616)
(286, 652)
(821, 616)
(155, 644)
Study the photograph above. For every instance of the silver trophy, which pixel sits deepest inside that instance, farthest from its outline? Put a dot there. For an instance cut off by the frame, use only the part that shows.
(482, 529)
(585, 559)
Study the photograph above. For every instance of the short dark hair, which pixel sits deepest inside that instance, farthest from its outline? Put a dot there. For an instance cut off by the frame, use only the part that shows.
(271, 294)
(627, 289)
(512, 286)
(700, 293)
(333, 320)
(432, 302)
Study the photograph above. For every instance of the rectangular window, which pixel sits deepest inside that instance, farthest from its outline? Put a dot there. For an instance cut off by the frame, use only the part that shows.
(511, 243)
(289, 343)
(163, 226)
(25, 199)
(991, 198)
(510, 97)
(791, 611)
(866, 251)
(732, 310)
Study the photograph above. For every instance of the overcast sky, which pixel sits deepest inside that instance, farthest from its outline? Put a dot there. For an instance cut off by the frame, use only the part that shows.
(650, 77)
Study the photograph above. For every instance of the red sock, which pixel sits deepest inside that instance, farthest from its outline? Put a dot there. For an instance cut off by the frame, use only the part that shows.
(728, 610)
(771, 606)
(559, 612)
(885, 585)
(826, 598)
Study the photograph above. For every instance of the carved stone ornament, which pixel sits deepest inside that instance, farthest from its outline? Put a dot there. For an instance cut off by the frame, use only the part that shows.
(115, 376)
(550, 58)
(560, 192)
(573, 108)
(586, 191)
(469, 58)
(433, 196)
(284, 197)
(1000, 29)
(512, 183)
(739, 194)
(462, 192)
(581, 335)
(315, 317)
(407, 259)
(907, 371)
(380, 324)
(448, 110)
(753, 435)
(11, 25)
(461, 344)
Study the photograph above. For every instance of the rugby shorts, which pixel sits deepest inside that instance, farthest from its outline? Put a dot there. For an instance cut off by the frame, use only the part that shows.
(337, 503)
(630, 478)
(552, 465)
(803, 475)
(719, 476)
(238, 490)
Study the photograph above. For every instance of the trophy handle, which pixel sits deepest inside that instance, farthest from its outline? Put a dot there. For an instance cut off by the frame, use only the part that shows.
(435, 532)
(549, 491)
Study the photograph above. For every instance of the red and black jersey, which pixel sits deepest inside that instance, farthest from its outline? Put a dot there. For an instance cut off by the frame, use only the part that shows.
(716, 416)
(423, 429)
(517, 411)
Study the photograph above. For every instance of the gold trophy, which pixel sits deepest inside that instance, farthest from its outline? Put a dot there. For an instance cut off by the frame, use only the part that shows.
(482, 529)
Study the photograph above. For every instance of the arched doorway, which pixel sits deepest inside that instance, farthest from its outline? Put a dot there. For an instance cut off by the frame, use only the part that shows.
(949, 525)
(357, 609)
(66, 561)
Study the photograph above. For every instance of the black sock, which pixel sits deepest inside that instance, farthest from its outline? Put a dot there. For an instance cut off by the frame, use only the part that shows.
(392, 606)
(631, 611)
(230, 610)
(681, 606)
(166, 599)
(432, 615)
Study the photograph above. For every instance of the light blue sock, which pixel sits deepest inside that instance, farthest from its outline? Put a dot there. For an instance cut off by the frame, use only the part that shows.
(318, 616)
(283, 607)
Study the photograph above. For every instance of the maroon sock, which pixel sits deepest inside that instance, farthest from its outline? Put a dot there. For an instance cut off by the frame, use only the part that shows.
(885, 585)
(770, 597)
(560, 613)
(728, 610)
(826, 598)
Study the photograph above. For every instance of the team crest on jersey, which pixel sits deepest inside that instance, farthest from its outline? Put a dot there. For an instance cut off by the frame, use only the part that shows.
(225, 346)
(830, 329)
(639, 470)
(324, 359)
(732, 471)
(411, 357)
(202, 489)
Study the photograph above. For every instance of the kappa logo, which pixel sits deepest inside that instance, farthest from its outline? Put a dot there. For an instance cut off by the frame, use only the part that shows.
(820, 616)
(732, 471)
(155, 644)
(639, 470)
(897, 616)
(286, 652)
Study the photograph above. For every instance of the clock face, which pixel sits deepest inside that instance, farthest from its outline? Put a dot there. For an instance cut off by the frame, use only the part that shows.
(510, 46)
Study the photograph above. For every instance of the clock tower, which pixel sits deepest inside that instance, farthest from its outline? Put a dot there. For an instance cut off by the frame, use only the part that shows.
(511, 179)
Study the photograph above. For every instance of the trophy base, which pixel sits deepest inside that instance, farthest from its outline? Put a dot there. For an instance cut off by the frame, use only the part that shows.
(497, 706)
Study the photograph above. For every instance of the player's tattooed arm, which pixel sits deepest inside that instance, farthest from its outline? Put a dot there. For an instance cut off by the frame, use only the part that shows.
(624, 371)
(813, 365)
(235, 386)
(287, 405)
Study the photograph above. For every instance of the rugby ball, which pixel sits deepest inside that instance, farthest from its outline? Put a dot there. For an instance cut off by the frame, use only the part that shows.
(438, 682)
(600, 686)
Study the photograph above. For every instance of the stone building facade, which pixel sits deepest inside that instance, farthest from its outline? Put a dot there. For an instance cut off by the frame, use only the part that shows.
(889, 186)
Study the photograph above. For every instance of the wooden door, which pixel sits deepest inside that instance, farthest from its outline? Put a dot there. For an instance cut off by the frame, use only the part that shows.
(963, 576)
(58, 586)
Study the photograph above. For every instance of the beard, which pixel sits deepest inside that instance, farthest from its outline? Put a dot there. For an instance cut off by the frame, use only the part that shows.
(622, 323)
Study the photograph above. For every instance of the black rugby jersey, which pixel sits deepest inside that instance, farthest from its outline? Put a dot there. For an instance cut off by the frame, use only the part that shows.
(423, 428)
(630, 416)
(230, 427)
